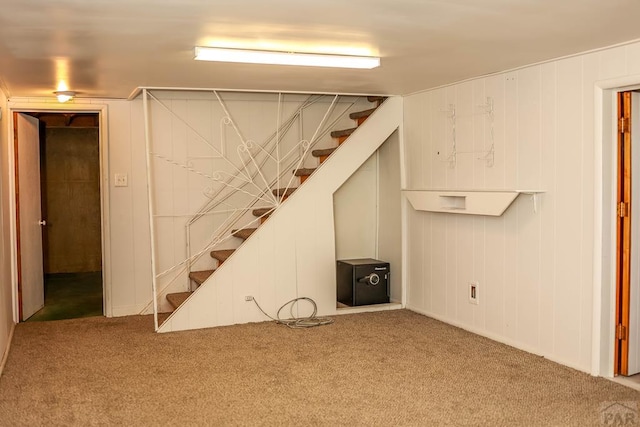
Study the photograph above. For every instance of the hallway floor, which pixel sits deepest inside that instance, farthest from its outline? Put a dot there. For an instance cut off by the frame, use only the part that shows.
(632, 381)
(71, 295)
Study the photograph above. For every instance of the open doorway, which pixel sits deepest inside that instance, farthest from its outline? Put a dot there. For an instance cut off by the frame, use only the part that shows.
(70, 217)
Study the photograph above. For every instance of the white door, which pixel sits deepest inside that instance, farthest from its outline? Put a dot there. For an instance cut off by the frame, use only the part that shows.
(31, 277)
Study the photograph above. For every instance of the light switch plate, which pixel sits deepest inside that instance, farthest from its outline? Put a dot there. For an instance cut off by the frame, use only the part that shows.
(121, 180)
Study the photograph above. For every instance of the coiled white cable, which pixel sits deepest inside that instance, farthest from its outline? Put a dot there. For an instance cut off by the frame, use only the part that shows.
(298, 322)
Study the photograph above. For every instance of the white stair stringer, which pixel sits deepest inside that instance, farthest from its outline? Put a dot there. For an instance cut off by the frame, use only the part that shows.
(293, 253)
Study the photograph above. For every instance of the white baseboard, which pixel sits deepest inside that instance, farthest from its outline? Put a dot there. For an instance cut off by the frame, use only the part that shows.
(502, 339)
(369, 308)
(128, 310)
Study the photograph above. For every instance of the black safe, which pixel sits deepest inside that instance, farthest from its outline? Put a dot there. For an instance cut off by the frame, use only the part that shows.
(363, 281)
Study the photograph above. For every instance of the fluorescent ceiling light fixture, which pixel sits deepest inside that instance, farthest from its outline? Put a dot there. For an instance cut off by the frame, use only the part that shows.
(285, 58)
(64, 95)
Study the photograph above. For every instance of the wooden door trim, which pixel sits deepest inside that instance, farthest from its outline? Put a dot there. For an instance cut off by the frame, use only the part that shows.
(623, 233)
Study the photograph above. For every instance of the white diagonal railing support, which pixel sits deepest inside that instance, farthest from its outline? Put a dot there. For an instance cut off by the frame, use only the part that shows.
(147, 143)
(243, 141)
(309, 102)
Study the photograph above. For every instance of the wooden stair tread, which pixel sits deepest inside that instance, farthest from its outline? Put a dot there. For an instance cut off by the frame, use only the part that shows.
(244, 233)
(303, 171)
(283, 192)
(323, 152)
(222, 254)
(262, 211)
(178, 298)
(200, 276)
(361, 114)
(342, 133)
(376, 98)
(163, 316)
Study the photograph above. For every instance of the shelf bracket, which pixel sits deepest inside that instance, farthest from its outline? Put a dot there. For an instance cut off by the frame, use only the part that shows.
(534, 199)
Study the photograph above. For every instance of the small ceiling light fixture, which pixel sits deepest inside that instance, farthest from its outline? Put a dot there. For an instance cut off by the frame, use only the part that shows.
(64, 95)
(285, 58)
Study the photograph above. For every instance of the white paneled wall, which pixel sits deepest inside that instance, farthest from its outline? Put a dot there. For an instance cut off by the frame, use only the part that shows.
(535, 269)
(130, 250)
(355, 211)
(389, 231)
(6, 292)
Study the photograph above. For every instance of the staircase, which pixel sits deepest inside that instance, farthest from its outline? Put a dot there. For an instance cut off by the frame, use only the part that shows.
(263, 212)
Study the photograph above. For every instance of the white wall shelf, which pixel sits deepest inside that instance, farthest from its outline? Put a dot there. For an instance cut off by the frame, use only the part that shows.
(469, 202)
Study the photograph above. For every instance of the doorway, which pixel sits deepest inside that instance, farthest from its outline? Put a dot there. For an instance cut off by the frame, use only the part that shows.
(70, 216)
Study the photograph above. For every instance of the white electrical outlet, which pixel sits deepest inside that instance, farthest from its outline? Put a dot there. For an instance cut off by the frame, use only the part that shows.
(248, 298)
(474, 296)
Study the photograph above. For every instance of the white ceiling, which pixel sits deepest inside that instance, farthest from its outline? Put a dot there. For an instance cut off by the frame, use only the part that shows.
(107, 48)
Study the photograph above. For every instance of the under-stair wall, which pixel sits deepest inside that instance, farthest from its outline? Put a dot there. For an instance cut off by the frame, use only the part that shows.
(293, 253)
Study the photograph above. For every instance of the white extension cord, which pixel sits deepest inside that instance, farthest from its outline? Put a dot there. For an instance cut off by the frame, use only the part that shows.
(298, 322)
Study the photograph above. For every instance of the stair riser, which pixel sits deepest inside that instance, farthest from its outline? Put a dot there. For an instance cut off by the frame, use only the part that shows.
(260, 213)
(263, 217)
(282, 192)
(243, 234)
(175, 300)
(222, 255)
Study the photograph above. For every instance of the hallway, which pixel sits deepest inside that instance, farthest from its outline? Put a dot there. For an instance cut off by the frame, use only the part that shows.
(70, 296)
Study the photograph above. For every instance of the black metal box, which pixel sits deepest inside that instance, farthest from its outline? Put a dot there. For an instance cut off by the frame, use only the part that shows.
(363, 281)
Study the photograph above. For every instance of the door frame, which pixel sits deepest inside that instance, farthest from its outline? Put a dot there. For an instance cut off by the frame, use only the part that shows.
(605, 220)
(624, 232)
(49, 107)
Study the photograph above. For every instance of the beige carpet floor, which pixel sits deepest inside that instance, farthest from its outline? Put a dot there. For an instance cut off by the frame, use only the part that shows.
(386, 368)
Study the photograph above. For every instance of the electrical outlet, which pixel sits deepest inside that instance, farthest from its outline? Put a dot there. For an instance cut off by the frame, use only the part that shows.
(121, 180)
(248, 298)
(474, 296)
